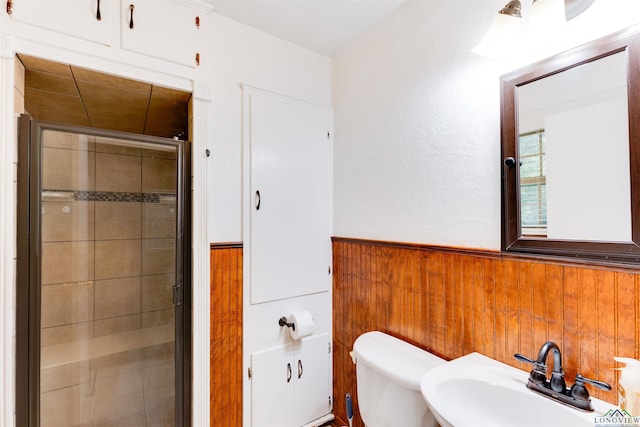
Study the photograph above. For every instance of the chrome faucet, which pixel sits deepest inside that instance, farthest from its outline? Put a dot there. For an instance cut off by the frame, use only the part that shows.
(556, 388)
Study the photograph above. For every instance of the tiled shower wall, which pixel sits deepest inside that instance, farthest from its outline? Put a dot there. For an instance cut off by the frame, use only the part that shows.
(108, 261)
(107, 258)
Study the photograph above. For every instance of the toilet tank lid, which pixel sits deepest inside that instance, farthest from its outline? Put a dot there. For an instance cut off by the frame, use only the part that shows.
(396, 359)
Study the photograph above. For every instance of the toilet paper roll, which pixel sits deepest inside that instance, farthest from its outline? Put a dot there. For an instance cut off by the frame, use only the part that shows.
(303, 324)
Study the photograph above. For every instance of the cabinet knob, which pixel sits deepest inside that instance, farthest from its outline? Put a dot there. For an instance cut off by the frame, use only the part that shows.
(510, 162)
(257, 200)
(98, 15)
(299, 368)
(289, 372)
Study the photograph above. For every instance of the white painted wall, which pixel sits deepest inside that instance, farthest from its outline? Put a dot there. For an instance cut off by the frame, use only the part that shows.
(417, 128)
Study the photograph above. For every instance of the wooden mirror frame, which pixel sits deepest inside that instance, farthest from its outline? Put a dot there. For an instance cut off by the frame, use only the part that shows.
(512, 238)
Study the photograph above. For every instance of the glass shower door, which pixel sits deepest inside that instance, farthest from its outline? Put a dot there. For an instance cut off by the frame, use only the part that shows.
(108, 259)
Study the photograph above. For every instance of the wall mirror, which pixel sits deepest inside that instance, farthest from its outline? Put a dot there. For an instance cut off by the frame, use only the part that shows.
(571, 155)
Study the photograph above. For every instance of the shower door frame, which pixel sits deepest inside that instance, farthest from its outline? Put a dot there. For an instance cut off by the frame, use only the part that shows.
(28, 271)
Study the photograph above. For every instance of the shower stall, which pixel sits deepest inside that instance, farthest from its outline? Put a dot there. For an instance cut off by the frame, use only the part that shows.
(103, 270)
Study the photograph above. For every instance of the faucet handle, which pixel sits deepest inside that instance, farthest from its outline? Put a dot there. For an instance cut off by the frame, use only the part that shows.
(539, 373)
(579, 391)
(523, 358)
(600, 384)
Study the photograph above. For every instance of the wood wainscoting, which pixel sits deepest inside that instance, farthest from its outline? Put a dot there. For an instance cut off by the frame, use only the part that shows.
(226, 335)
(452, 302)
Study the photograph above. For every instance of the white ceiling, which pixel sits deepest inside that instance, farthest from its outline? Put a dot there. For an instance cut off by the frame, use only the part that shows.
(323, 26)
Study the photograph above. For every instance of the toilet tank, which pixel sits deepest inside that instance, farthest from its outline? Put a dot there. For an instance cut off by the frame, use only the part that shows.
(388, 374)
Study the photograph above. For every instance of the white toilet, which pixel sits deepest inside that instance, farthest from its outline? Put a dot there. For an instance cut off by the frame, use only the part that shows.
(388, 374)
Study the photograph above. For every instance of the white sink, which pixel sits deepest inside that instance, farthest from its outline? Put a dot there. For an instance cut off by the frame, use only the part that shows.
(475, 390)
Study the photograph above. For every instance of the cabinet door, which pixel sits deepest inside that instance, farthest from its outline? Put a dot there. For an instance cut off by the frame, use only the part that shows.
(162, 29)
(78, 18)
(290, 200)
(272, 387)
(312, 379)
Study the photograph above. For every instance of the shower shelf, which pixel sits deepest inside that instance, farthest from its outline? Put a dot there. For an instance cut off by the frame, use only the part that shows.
(77, 351)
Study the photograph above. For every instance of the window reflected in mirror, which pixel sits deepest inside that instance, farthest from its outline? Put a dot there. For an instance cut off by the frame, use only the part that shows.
(533, 184)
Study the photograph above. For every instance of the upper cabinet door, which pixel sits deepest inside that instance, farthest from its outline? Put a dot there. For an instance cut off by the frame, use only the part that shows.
(161, 29)
(85, 19)
(290, 200)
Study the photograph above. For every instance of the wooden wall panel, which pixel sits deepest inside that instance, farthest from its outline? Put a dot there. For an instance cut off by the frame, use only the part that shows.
(452, 302)
(226, 335)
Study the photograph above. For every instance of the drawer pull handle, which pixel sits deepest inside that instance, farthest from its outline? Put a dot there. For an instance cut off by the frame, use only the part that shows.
(131, 7)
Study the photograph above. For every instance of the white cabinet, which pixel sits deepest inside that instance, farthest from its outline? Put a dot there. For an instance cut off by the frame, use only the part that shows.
(162, 29)
(287, 225)
(291, 383)
(78, 18)
(290, 198)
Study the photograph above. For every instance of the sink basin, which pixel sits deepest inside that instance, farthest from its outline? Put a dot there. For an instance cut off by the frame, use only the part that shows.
(475, 390)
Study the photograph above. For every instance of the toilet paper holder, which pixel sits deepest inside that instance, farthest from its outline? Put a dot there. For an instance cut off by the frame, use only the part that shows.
(283, 322)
